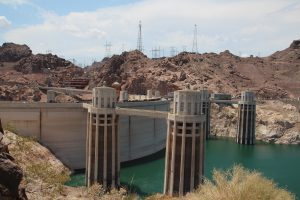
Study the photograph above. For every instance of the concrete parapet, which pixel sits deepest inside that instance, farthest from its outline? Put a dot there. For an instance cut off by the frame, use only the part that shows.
(149, 94)
(51, 96)
(123, 96)
(157, 94)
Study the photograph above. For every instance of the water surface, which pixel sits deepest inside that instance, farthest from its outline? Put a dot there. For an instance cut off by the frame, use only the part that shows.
(278, 162)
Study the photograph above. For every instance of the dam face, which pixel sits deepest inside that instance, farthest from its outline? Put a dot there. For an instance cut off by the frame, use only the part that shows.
(62, 127)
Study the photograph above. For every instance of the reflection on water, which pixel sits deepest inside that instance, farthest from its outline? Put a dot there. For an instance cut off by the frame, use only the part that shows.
(278, 162)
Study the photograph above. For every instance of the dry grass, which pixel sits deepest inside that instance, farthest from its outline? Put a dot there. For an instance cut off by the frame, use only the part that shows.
(96, 192)
(239, 183)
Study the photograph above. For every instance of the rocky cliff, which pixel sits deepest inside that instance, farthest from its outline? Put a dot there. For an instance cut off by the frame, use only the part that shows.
(276, 122)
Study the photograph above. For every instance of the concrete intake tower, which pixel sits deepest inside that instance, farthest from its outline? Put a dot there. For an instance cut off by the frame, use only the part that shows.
(102, 164)
(246, 119)
(184, 162)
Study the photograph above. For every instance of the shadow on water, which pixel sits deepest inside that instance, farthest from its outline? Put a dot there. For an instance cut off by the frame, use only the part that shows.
(144, 160)
(135, 175)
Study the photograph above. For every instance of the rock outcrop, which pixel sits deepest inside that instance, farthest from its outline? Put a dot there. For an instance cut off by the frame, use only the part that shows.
(41, 63)
(295, 44)
(276, 122)
(11, 175)
(10, 52)
(21, 73)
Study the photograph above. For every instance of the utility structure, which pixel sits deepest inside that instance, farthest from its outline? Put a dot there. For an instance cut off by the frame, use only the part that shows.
(195, 41)
(156, 52)
(102, 164)
(173, 51)
(139, 40)
(107, 49)
(184, 162)
(246, 118)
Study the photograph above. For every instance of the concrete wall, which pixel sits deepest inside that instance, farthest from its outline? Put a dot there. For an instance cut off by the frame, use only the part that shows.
(62, 128)
(140, 136)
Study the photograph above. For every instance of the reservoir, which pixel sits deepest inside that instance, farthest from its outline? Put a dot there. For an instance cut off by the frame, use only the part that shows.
(280, 163)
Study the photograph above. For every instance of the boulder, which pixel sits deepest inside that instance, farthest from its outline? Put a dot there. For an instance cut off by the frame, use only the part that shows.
(295, 44)
(10, 52)
(182, 76)
(40, 63)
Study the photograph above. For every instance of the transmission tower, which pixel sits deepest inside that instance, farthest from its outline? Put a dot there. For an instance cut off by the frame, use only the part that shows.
(123, 48)
(173, 51)
(195, 46)
(156, 52)
(107, 49)
(139, 41)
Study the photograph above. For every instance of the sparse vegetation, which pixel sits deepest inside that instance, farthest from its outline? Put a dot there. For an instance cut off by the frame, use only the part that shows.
(10, 127)
(240, 183)
(50, 178)
(41, 173)
(96, 192)
(236, 183)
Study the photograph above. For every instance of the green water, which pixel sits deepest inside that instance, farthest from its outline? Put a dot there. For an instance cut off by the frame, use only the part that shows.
(278, 162)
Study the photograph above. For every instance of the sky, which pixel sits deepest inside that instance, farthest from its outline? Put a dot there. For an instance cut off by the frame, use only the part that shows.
(78, 30)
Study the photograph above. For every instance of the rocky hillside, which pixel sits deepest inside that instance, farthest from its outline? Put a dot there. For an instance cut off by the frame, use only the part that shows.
(30, 170)
(275, 76)
(276, 122)
(21, 72)
(11, 175)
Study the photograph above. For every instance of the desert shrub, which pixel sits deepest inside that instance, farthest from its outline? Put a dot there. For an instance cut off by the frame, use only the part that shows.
(96, 191)
(236, 183)
(239, 183)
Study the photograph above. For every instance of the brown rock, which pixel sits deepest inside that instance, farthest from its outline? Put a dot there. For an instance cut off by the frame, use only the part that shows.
(10, 52)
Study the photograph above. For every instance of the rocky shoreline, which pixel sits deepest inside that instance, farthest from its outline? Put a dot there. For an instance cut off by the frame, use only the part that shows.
(276, 122)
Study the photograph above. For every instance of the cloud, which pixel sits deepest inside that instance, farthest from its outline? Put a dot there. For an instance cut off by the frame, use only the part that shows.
(240, 26)
(4, 22)
(13, 2)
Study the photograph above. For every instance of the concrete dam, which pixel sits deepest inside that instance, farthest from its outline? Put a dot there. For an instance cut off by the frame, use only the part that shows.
(101, 135)
(62, 128)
